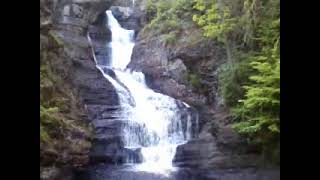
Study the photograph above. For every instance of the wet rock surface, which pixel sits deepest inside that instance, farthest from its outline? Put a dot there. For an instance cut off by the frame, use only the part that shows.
(168, 70)
(106, 114)
(215, 148)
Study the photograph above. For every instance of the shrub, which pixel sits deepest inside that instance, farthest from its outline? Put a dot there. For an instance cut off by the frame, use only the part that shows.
(151, 9)
(257, 114)
(231, 79)
(167, 15)
(169, 39)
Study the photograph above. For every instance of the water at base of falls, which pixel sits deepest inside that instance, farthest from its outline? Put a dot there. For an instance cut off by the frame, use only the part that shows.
(127, 172)
(155, 123)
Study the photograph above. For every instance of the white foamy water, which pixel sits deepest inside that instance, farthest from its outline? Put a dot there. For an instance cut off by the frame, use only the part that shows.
(155, 121)
(121, 44)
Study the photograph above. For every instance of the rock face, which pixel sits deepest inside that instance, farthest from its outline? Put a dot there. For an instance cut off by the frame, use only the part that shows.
(168, 69)
(164, 73)
(71, 33)
(66, 52)
(188, 70)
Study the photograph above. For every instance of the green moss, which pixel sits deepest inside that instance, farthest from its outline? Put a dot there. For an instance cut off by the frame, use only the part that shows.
(62, 104)
(56, 40)
(194, 80)
(45, 76)
(48, 115)
(44, 136)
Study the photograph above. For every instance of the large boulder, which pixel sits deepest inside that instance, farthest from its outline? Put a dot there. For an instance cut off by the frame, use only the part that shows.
(163, 73)
(111, 151)
(196, 153)
(204, 153)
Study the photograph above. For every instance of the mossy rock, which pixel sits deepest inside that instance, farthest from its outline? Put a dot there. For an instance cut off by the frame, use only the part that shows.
(169, 39)
(55, 40)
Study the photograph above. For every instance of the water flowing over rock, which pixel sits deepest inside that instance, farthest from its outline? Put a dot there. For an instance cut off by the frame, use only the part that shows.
(103, 172)
(151, 122)
(142, 127)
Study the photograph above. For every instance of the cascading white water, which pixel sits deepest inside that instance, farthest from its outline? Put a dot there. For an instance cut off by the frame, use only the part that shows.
(155, 121)
(121, 44)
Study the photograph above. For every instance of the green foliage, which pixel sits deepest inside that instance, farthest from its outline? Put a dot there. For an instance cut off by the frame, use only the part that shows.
(250, 83)
(166, 16)
(168, 25)
(169, 39)
(44, 136)
(163, 22)
(231, 80)
(151, 9)
(258, 113)
(183, 9)
(260, 108)
(47, 121)
(52, 123)
(214, 18)
(47, 114)
(49, 117)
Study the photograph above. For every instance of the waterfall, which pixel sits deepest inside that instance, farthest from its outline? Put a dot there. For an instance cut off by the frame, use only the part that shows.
(156, 123)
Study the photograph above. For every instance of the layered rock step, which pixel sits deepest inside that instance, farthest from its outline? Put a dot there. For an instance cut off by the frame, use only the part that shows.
(109, 124)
